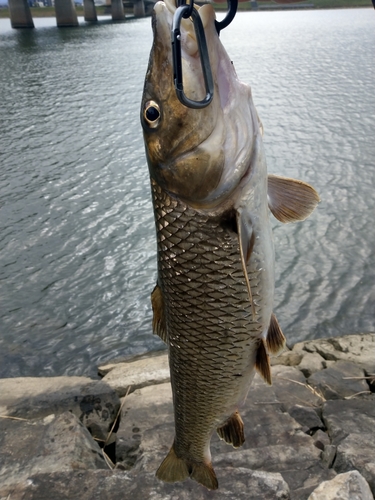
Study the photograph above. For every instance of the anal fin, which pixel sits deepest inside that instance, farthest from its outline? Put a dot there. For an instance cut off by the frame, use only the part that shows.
(232, 432)
(275, 337)
(262, 362)
(158, 321)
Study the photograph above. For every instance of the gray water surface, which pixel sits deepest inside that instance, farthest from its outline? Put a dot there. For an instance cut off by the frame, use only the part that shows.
(77, 238)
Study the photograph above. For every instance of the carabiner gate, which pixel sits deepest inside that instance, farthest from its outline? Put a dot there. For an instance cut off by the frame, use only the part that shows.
(186, 11)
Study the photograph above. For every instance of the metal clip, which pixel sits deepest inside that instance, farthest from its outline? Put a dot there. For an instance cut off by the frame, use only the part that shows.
(232, 9)
(186, 11)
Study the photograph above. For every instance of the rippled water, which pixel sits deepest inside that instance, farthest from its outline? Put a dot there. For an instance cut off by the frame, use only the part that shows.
(77, 250)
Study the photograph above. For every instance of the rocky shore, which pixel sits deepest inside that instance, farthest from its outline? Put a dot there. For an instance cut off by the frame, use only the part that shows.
(311, 435)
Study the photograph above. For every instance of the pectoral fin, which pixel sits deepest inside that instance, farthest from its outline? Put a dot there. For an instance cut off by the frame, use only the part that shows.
(290, 200)
(246, 239)
(275, 337)
(158, 321)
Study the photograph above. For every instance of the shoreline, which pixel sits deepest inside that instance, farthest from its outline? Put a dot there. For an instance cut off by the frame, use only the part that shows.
(41, 12)
(75, 438)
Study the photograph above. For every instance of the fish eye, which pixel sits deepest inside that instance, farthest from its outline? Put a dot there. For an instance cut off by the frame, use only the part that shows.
(152, 114)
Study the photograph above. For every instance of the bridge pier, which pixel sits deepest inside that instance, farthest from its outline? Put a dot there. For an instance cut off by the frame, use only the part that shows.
(117, 10)
(20, 14)
(89, 11)
(66, 15)
(139, 8)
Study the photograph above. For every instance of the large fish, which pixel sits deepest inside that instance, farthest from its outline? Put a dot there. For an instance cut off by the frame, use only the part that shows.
(214, 295)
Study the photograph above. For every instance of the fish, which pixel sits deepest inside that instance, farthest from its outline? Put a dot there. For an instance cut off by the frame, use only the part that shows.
(212, 197)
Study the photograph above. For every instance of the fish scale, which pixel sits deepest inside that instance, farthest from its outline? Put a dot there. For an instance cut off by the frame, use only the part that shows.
(208, 338)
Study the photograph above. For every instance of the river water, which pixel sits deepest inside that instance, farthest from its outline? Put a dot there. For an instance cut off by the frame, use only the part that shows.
(77, 241)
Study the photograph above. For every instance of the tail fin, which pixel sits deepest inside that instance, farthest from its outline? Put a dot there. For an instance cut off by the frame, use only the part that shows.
(174, 469)
(205, 474)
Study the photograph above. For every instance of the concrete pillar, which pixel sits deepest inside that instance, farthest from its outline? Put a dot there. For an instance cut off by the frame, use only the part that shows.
(20, 14)
(66, 15)
(117, 10)
(89, 11)
(139, 8)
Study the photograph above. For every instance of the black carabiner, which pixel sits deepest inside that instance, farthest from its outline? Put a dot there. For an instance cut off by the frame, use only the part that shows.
(186, 11)
(232, 9)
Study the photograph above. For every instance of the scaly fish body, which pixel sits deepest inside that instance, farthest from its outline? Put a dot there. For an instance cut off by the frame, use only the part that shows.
(214, 297)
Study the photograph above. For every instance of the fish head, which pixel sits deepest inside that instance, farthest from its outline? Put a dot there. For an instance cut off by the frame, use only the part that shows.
(198, 155)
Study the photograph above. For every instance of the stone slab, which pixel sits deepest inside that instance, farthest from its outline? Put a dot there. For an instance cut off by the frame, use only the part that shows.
(54, 444)
(349, 486)
(241, 484)
(357, 451)
(349, 417)
(340, 381)
(94, 402)
(358, 348)
(137, 374)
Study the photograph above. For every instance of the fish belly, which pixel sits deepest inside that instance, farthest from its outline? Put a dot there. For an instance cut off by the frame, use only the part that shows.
(211, 332)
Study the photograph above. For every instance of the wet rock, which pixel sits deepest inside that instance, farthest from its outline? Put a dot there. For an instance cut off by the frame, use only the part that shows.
(55, 444)
(311, 363)
(137, 374)
(340, 381)
(93, 402)
(349, 486)
(107, 485)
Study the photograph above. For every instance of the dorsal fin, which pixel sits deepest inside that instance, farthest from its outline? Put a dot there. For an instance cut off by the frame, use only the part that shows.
(290, 200)
(246, 239)
(262, 362)
(158, 321)
(275, 337)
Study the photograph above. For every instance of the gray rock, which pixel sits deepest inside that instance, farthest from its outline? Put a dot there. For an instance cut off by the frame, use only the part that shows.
(290, 387)
(56, 444)
(304, 481)
(306, 416)
(288, 358)
(357, 451)
(241, 484)
(143, 412)
(311, 363)
(93, 402)
(104, 369)
(139, 373)
(340, 381)
(321, 439)
(349, 486)
(348, 417)
(328, 455)
(358, 348)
